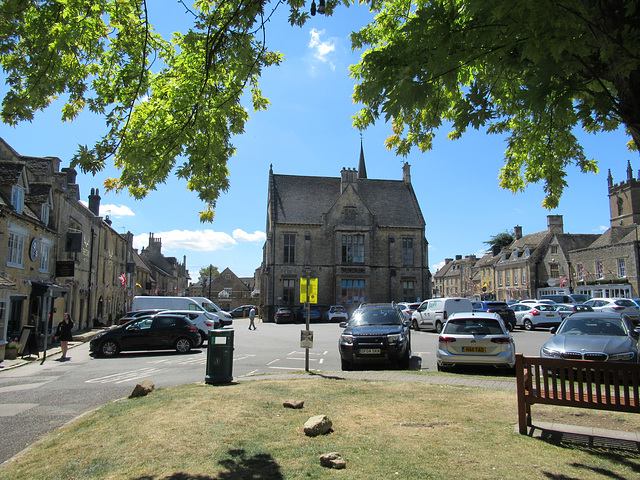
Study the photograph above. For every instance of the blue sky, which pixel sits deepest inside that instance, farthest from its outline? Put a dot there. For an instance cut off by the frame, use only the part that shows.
(307, 131)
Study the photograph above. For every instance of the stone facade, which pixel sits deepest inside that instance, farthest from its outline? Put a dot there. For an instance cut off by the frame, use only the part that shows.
(227, 290)
(363, 239)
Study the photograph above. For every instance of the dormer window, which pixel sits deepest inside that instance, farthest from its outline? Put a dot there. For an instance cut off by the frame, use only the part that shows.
(17, 198)
(44, 213)
(527, 252)
(514, 254)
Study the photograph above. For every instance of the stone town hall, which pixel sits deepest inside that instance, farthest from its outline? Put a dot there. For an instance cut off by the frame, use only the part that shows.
(363, 239)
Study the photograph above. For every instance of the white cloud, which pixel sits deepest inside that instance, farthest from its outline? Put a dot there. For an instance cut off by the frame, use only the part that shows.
(602, 228)
(322, 48)
(436, 267)
(113, 211)
(198, 241)
(243, 236)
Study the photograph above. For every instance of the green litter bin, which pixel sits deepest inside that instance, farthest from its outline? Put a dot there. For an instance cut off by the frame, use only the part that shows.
(219, 356)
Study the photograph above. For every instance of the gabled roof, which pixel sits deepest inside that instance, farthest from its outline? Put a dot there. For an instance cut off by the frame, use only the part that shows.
(570, 241)
(304, 200)
(615, 235)
(10, 173)
(39, 193)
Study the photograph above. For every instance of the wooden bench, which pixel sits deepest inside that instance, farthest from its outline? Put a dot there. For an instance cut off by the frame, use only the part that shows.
(613, 386)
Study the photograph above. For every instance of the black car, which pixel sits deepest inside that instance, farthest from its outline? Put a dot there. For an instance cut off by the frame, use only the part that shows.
(243, 311)
(376, 333)
(286, 315)
(137, 314)
(156, 332)
(501, 308)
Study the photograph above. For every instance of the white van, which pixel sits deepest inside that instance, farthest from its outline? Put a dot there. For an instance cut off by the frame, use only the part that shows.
(200, 304)
(209, 306)
(433, 313)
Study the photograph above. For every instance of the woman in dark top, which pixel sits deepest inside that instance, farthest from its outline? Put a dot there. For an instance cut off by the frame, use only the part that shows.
(64, 335)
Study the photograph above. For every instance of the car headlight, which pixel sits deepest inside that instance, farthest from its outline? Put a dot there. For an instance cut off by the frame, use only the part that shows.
(346, 338)
(548, 352)
(395, 338)
(622, 357)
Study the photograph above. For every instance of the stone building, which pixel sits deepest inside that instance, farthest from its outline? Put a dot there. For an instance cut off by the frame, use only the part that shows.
(229, 291)
(455, 277)
(171, 276)
(363, 239)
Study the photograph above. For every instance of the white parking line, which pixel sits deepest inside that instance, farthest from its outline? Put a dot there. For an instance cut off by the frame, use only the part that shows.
(273, 361)
(126, 376)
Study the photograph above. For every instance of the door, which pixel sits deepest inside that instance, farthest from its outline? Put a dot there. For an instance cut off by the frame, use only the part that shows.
(136, 335)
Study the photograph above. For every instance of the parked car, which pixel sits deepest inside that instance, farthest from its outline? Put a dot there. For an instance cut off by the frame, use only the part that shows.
(314, 315)
(565, 309)
(598, 336)
(531, 315)
(501, 308)
(434, 312)
(573, 298)
(140, 313)
(157, 332)
(336, 313)
(408, 309)
(616, 305)
(243, 311)
(376, 333)
(475, 338)
(205, 321)
(285, 315)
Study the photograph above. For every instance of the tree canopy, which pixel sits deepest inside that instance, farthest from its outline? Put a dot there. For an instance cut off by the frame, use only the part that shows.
(533, 71)
(207, 273)
(501, 240)
(530, 70)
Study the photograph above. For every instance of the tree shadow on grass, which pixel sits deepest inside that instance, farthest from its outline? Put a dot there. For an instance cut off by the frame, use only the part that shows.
(238, 467)
(629, 459)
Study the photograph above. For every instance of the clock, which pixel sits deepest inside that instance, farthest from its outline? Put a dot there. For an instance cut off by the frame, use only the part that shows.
(34, 250)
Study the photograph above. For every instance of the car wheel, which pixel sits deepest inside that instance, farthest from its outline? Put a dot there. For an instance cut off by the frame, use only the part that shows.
(203, 336)
(414, 325)
(528, 325)
(510, 326)
(405, 362)
(183, 345)
(346, 365)
(109, 348)
(439, 327)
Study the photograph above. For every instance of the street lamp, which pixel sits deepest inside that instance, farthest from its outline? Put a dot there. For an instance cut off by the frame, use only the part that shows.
(320, 9)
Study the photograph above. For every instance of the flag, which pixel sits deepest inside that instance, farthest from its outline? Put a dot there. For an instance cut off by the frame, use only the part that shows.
(564, 280)
(138, 285)
(123, 279)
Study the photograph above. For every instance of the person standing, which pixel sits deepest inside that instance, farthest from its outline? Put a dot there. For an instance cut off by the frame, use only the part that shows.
(252, 317)
(64, 335)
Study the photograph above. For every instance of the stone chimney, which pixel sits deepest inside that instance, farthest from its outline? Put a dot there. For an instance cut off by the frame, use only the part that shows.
(406, 173)
(517, 232)
(458, 257)
(448, 260)
(71, 175)
(555, 223)
(348, 176)
(495, 250)
(94, 202)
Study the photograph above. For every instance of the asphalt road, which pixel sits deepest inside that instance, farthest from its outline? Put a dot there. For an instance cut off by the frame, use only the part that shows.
(35, 399)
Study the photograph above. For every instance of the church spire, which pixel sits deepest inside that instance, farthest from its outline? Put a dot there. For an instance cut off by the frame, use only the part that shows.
(362, 169)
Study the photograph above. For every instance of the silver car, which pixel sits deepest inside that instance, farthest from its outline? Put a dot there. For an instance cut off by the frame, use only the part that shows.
(602, 337)
(475, 338)
(616, 305)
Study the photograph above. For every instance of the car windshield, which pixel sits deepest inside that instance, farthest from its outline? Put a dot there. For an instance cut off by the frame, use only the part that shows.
(497, 305)
(612, 327)
(473, 326)
(376, 316)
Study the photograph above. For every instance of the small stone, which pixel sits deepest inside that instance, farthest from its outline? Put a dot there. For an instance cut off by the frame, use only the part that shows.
(317, 425)
(142, 389)
(332, 460)
(294, 404)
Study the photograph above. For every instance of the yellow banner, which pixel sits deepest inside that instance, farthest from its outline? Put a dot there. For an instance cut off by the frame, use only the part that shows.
(313, 290)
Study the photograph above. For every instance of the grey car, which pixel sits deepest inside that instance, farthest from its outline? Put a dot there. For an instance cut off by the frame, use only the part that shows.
(598, 336)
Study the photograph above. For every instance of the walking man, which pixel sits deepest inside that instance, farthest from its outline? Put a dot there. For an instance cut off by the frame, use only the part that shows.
(252, 317)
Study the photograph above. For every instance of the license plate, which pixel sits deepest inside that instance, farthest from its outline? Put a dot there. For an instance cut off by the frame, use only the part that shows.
(550, 315)
(370, 351)
(474, 349)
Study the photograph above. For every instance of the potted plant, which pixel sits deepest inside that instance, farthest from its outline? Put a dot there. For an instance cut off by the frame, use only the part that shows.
(11, 351)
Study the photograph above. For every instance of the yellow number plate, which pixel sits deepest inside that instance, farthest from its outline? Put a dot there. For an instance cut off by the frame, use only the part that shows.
(474, 349)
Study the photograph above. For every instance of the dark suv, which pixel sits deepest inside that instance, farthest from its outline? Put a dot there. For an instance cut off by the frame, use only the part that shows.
(376, 333)
(501, 308)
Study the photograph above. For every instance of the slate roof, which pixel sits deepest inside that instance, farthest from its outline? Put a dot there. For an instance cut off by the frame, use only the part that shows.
(615, 235)
(10, 173)
(38, 192)
(304, 200)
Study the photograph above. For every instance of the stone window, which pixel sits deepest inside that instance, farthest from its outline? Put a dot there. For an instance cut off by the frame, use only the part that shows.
(580, 272)
(599, 270)
(408, 291)
(622, 269)
(288, 291)
(352, 291)
(17, 241)
(45, 256)
(352, 249)
(17, 198)
(289, 249)
(554, 270)
(554, 249)
(407, 252)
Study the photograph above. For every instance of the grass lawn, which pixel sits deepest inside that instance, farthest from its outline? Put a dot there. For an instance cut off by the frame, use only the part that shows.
(384, 430)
